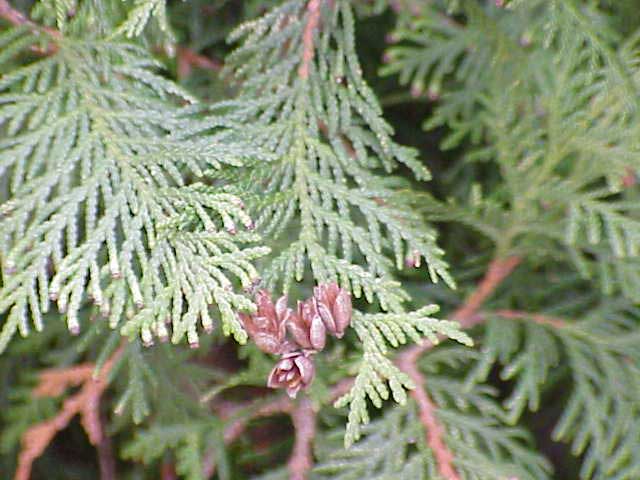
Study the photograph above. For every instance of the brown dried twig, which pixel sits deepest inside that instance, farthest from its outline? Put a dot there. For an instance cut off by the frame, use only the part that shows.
(85, 402)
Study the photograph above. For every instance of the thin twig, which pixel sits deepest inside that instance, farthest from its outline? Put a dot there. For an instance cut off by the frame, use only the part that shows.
(187, 59)
(629, 179)
(308, 48)
(243, 414)
(281, 404)
(498, 270)
(278, 405)
(304, 424)
(168, 472)
(17, 18)
(86, 403)
(534, 317)
(106, 459)
(467, 315)
(433, 428)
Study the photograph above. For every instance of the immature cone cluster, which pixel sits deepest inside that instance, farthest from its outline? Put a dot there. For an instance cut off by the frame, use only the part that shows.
(327, 311)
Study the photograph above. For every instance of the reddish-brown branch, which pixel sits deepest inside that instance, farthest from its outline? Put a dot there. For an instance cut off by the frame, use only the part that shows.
(304, 424)
(534, 317)
(106, 459)
(468, 316)
(498, 270)
(86, 403)
(17, 18)
(13, 16)
(300, 462)
(236, 427)
(278, 405)
(433, 428)
(54, 382)
(187, 59)
(168, 472)
(308, 48)
(629, 179)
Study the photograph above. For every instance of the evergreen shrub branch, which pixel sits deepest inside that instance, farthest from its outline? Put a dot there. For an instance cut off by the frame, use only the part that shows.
(275, 210)
(110, 216)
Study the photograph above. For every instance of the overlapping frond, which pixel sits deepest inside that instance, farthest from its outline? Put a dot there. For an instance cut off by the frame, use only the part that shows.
(385, 452)
(190, 442)
(446, 59)
(314, 111)
(377, 375)
(527, 352)
(326, 201)
(602, 415)
(483, 444)
(602, 221)
(599, 417)
(97, 157)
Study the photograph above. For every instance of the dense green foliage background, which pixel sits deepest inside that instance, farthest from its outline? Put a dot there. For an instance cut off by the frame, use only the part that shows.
(161, 161)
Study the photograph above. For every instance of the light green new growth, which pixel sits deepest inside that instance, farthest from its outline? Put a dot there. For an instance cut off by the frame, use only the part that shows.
(139, 16)
(98, 158)
(377, 371)
(326, 131)
(58, 9)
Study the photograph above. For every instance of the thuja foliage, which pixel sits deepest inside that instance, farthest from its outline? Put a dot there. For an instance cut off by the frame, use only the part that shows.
(312, 195)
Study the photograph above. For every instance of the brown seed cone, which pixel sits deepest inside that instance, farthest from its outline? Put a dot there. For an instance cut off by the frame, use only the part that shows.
(294, 371)
(306, 326)
(334, 306)
(267, 327)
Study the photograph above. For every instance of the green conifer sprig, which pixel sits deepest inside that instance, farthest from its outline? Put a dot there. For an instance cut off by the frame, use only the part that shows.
(394, 445)
(97, 156)
(323, 201)
(555, 112)
(330, 140)
(187, 440)
(139, 16)
(376, 371)
(601, 360)
(117, 187)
